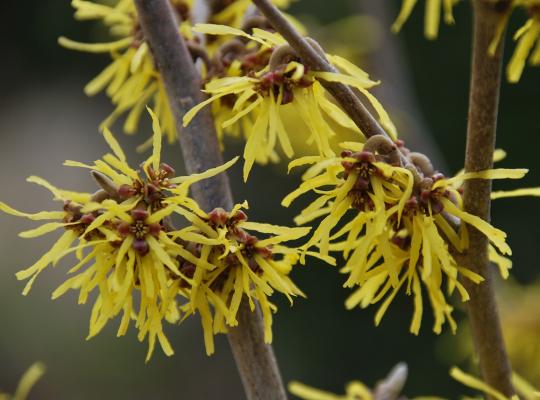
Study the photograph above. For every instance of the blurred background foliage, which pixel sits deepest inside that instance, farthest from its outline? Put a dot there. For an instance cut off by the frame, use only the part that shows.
(45, 118)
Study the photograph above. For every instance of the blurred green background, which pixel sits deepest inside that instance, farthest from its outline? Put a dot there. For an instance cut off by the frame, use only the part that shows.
(45, 118)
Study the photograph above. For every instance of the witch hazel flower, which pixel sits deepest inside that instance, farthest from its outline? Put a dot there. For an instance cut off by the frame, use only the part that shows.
(397, 222)
(121, 237)
(244, 267)
(260, 78)
(131, 80)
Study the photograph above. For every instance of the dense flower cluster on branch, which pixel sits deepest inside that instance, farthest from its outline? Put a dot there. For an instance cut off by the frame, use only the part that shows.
(261, 87)
(149, 256)
(398, 223)
(131, 80)
(146, 270)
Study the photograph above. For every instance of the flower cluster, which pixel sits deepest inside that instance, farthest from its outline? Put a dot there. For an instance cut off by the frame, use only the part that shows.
(131, 80)
(405, 224)
(141, 266)
(260, 88)
(242, 265)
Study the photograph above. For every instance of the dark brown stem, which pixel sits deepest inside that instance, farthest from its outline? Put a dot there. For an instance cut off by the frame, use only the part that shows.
(481, 132)
(256, 362)
(389, 63)
(255, 359)
(199, 142)
(343, 94)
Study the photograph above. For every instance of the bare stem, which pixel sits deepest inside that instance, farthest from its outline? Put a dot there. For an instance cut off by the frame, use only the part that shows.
(389, 63)
(255, 359)
(481, 132)
(343, 94)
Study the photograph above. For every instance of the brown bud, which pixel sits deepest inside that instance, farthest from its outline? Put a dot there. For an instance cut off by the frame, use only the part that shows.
(105, 183)
(87, 219)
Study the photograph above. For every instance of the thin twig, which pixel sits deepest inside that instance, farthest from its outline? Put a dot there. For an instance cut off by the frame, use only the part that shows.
(343, 94)
(389, 63)
(481, 133)
(255, 359)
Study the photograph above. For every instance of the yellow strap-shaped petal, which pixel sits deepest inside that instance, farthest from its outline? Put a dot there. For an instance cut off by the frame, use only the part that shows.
(189, 180)
(404, 14)
(156, 140)
(94, 47)
(497, 173)
(303, 161)
(36, 216)
(501, 194)
(42, 230)
(113, 144)
(29, 379)
(475, 383)
(213, 29)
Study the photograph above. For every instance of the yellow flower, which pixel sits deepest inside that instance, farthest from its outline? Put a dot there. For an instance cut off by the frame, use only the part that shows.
(131, 80)
(265, 77)
(527, 38)
(28, 380)
(432, 16)
(242, 267)
(402, 221)
(121, 237)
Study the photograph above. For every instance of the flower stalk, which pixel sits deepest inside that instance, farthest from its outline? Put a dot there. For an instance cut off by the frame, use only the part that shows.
(481, 134)
(255, 359)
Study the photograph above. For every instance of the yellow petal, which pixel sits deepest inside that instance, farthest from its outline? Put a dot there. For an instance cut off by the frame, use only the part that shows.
(475, 383)
(29, 379)
(501, 194)
(36, 216)
(94, 47)
(113, 144)
(404, 14)
(42, 230)
(156, 142)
